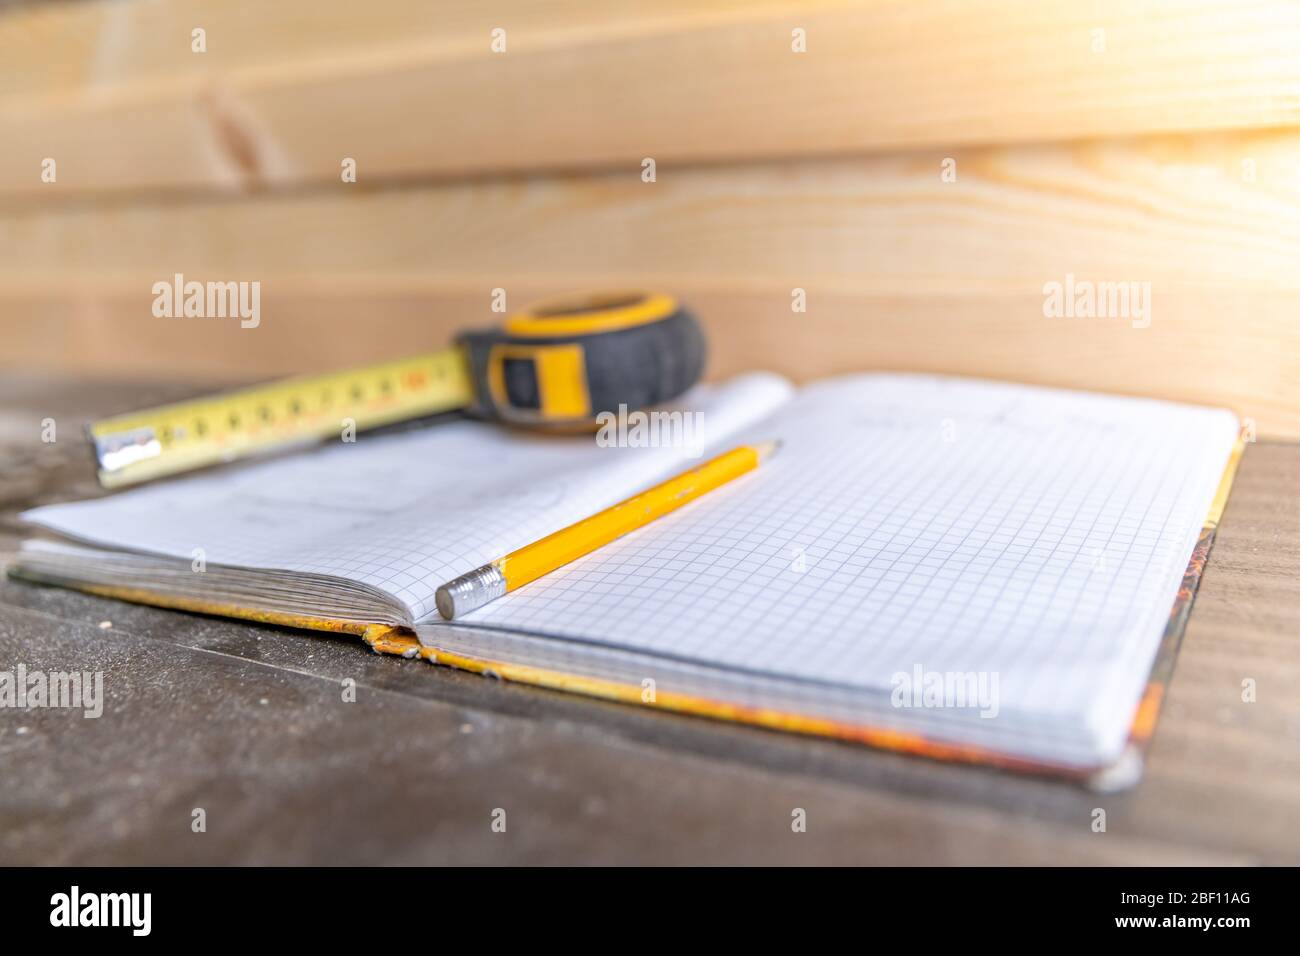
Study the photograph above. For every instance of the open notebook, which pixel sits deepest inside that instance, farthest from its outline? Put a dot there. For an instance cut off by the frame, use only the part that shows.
(962, 568)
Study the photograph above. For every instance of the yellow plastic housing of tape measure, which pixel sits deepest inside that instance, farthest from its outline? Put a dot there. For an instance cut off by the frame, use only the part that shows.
(591, 315)
(560, 366)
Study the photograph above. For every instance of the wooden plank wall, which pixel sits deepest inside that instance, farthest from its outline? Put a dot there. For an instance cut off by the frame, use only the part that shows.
(922, 171)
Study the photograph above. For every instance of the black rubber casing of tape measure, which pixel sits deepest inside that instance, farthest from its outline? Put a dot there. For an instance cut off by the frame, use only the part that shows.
(565, 380)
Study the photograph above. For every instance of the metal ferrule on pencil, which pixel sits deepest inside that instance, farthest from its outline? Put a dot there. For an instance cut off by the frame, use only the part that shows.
(471, 591)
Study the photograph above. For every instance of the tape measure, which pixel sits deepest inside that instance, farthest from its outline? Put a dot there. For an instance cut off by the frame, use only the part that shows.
(555, 366)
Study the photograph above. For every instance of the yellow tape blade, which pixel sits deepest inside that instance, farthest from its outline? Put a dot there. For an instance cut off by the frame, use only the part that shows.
(170, 439)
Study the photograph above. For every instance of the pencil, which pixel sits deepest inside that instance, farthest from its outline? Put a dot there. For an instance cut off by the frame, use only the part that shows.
(477, 588)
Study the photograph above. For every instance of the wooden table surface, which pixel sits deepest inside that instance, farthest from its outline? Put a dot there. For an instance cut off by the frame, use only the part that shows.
(248, 723)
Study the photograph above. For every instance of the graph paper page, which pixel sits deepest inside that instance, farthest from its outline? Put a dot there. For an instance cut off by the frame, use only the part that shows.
(402, 512)
(912, 522)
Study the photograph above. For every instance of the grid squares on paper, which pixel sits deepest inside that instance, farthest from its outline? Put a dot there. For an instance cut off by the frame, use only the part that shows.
(1044, 544)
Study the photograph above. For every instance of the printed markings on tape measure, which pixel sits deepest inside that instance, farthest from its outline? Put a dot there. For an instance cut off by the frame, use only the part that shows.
(174, 438)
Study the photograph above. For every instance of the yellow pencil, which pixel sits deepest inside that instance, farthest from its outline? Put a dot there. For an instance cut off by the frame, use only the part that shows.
(471, 591)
